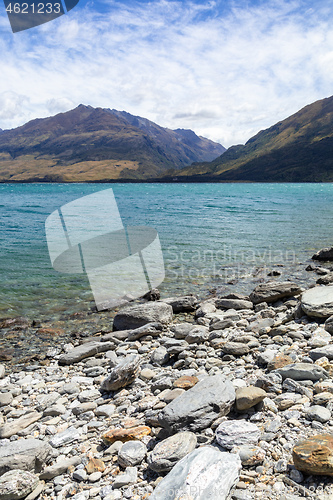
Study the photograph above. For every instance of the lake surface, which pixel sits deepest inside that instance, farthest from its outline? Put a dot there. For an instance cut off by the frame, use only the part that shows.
(222, 237)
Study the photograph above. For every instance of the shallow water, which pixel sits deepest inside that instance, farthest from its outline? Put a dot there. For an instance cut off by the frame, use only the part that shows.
(214, 237)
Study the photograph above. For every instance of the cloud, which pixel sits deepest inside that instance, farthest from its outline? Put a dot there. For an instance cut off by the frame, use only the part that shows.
(224, 70)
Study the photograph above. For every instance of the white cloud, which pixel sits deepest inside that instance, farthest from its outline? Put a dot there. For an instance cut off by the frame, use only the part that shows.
(180, 64)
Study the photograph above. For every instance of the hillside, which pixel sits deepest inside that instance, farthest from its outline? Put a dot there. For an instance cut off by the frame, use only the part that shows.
(297, 149)
(95, 144)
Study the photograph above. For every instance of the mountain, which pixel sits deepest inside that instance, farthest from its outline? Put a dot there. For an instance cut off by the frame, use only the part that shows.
(297, 149)
(96, 144)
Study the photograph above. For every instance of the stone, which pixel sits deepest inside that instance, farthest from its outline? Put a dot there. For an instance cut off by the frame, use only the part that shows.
(170, 395)
(181, 330)
(236, 304)
(182, 304)
(197, 335)
(6, 398)
(136, 315)
(124, 435)
(15, 426)
(185, 382)
(2, 371)
(132, 453)
(169, 451)
(247, 397)
(325, 280)
(314, 455)
(84, 351)
(26, 454)
(128, 477)
(89, 395)
(318, 413)
(123, 374)
(205, 308)
(237, 433)
(318, 301)
(250, 455)
(80, 475)
(235, 348)
(302, 371)
(273, 291)
(65, 437)
(16, 484)
(204, 474)
(105, 410)
(320, 352)
(153, 329)
(279, 361)
(159, 356)
(320, 338)
(198, 407)
(329, 325)
(59, 468)
(325, 254)
(95, 465)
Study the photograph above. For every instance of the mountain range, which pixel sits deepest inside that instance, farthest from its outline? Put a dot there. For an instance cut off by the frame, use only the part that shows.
(90, 144)
(297, 149)
(96, 144)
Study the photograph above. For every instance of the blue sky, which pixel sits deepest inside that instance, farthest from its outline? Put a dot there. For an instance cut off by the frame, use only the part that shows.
(225, 69)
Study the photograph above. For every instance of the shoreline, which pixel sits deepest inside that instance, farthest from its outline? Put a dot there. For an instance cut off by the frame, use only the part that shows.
(110, 413)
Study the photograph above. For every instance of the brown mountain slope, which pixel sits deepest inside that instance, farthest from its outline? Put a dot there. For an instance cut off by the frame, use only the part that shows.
(297, 149)
(94, 144)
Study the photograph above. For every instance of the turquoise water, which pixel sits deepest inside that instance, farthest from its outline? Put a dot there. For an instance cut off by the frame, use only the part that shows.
(213, 236)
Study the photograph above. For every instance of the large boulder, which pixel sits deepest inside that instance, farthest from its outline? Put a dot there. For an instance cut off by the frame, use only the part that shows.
(273, 291)
(182, 304)
(136, 315)
(318, 301)
(198, 407)
(25, 454)
(325, 254)
(204, 474)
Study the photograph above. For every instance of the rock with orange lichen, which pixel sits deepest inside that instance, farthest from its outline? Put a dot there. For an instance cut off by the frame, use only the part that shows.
(95, 465)
(185, 382)
(315, 455)
(124, 435)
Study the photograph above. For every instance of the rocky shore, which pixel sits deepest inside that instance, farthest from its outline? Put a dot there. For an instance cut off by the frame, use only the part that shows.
(227, 398)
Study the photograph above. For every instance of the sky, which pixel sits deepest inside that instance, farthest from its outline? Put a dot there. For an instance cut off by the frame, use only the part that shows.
(225, 69)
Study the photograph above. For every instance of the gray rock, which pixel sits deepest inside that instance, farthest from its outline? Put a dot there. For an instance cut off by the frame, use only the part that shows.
(325, 280)
(205, 474)
(105, 410)
(2, 371)
(329, 325)
(17, 484)
(89, 395)
(318, 301)
(302, 371)
(237, 433)
(250, 455)
(169, 451)
(182, 304)
(197, 335)
(235, 348)
(159, 356)
(59, 468)
(5, 398)
(325, 254)
(320, 352)
(134, 316)
(236, 304)
(128, 477)
(65, 437)
(205, 308)
(273, 291)
(153, 329)
(19, 424)
(181, 330)
(70, 388)
(318, 413)
(84, 351)
(46, 400)
(25, 454)
(123, 374)
(221, 324)
(80, 475)
(198, 407)
(132, 453)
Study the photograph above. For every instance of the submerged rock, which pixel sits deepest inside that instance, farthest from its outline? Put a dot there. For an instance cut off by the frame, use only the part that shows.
(325, 254)
(204, 474)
